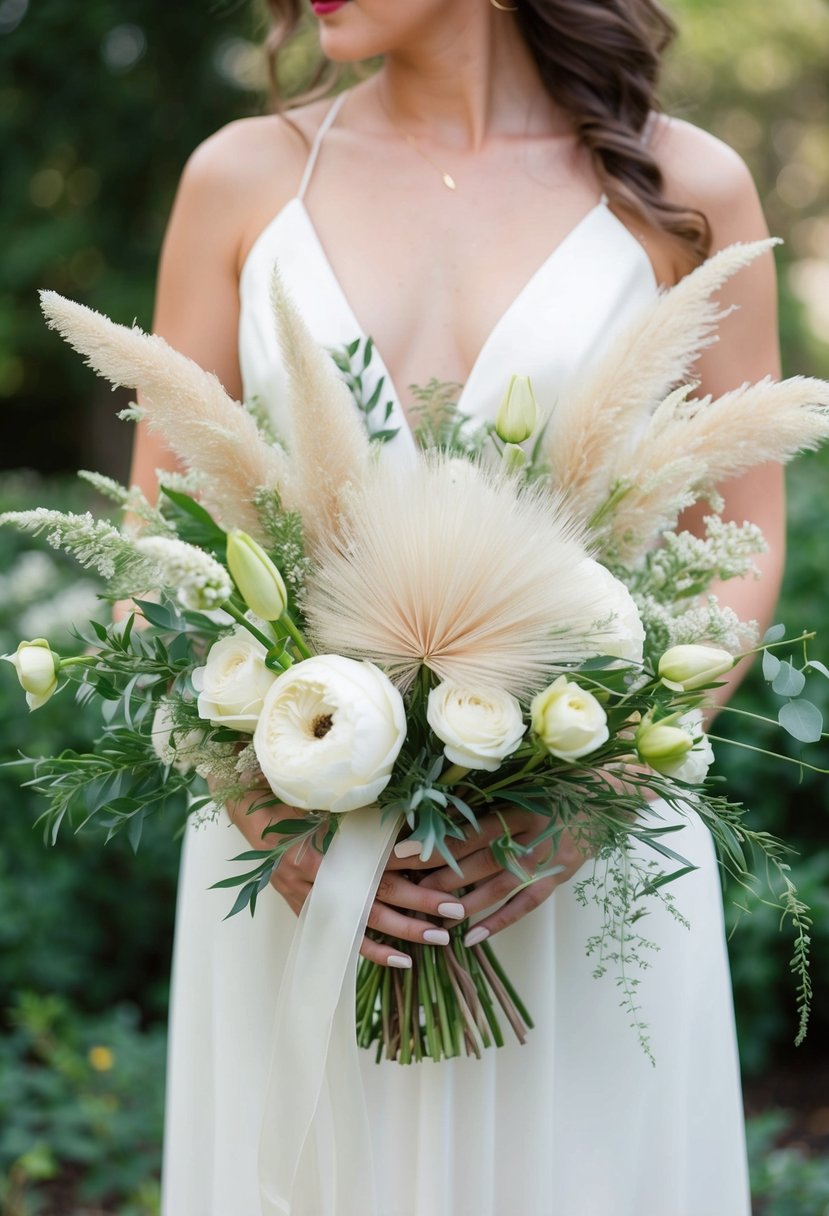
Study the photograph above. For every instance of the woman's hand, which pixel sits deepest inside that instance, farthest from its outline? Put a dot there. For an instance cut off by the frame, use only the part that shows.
(397, 896)
(490, 882)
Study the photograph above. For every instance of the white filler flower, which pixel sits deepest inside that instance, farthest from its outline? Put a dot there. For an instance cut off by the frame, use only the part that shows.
(329, 733)
(175, 748)
(568, 720)
(233, 682)
(199, 580)
(477, 728)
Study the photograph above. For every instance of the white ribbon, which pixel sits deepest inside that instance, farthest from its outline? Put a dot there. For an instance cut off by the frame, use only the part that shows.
(314, 1038)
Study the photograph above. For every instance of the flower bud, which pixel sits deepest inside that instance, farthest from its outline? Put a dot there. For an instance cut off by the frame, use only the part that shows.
(259, 582)
(568, 720)
(661, 745)
(685, 668)
(518, 415)
(37, 670)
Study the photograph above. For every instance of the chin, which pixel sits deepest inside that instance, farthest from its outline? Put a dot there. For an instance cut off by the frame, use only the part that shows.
(351, 30)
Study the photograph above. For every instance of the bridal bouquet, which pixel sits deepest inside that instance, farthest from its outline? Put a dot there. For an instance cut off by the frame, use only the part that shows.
(398, 651)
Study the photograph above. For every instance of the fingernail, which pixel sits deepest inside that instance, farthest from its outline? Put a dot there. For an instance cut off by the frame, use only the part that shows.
(399, 960)
(475, 936)
(454, 911)
(406, 848)
(436, 937)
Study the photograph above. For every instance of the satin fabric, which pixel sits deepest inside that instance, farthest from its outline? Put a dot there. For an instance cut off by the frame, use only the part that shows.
(577, 1122)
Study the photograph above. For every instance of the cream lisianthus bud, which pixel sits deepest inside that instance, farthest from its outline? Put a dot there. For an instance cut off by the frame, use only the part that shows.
(257, 578)
(685, 668)
(568, 720)
(518, 416)
(662, 745)
(682, 751)
(37, 670)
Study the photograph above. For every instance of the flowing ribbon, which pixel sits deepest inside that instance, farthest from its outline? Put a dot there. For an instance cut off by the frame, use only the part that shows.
(314, 1040)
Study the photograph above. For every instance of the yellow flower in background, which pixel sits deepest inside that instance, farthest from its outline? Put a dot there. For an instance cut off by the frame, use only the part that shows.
(101, 1058)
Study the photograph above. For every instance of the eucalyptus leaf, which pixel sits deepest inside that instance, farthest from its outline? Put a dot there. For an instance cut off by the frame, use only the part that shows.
(775, 634)
(802, 720)
(789, 682)
(815, 665)
(771, 665)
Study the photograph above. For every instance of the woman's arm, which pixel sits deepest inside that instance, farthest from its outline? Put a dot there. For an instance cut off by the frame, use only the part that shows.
(706, 173)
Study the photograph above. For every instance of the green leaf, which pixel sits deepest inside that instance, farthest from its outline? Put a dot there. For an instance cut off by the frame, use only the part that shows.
(194, 524)
(771, 665)
(385, 435)
(158, 615)
(663, 879)
(368, 351)
(789, 682)
(289, 827)
(814, 665)
(802, 720)
(775, 634)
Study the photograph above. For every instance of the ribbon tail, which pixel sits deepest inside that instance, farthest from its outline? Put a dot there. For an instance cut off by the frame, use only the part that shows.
(314, 1039)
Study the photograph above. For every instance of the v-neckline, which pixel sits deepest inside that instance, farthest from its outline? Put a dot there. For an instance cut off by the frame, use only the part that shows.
(297, 204)
(382, 366)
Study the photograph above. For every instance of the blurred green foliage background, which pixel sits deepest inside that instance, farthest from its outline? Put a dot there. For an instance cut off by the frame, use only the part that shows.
(100, 106)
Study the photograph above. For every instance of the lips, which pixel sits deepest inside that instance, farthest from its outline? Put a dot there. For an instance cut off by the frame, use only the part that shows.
(323, 8)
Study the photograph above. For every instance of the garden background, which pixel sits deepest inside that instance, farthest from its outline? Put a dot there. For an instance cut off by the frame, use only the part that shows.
(100, 105)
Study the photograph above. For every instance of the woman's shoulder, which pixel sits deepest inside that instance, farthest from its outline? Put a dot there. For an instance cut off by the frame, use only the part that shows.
(701, 171)
(247, 170)
(245, 153)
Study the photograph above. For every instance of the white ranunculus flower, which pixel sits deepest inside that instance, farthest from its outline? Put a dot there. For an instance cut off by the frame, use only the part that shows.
(477, 728)
(233, 682)
(178, 749)
(569, 720)
(329, 733)
(624, 635)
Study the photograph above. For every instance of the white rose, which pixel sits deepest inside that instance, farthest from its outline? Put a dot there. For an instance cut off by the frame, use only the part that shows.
(477, 729)
(569, 720)
(694, 765)
(178, 749)
(623, 637)
(684, 668)
(329, 733)
(233, 682)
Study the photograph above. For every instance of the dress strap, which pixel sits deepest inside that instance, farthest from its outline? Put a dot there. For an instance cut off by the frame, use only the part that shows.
(322, 130)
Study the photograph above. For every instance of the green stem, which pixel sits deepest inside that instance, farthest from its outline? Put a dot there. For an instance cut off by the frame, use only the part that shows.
(538, 758)
(80, 660)
(453, 774)
(239, 616)
(761, 751)
(299, 641)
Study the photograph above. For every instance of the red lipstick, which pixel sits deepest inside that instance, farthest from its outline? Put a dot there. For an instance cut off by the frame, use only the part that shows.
(323, 8)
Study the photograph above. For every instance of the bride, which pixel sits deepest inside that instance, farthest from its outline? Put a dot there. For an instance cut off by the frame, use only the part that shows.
(501, 195)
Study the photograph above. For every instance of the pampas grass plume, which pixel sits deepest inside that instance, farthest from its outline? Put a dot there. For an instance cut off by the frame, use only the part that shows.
(653, 355)
(329, 444)
(201, 424)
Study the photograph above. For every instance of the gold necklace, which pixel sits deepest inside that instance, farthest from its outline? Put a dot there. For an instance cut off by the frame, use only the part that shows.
(447, 178)
(414, 143)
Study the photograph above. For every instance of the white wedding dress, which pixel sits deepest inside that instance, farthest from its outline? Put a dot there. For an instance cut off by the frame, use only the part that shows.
(577, 1122)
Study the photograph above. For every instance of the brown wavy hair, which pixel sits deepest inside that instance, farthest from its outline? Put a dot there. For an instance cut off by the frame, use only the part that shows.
(599, 60)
